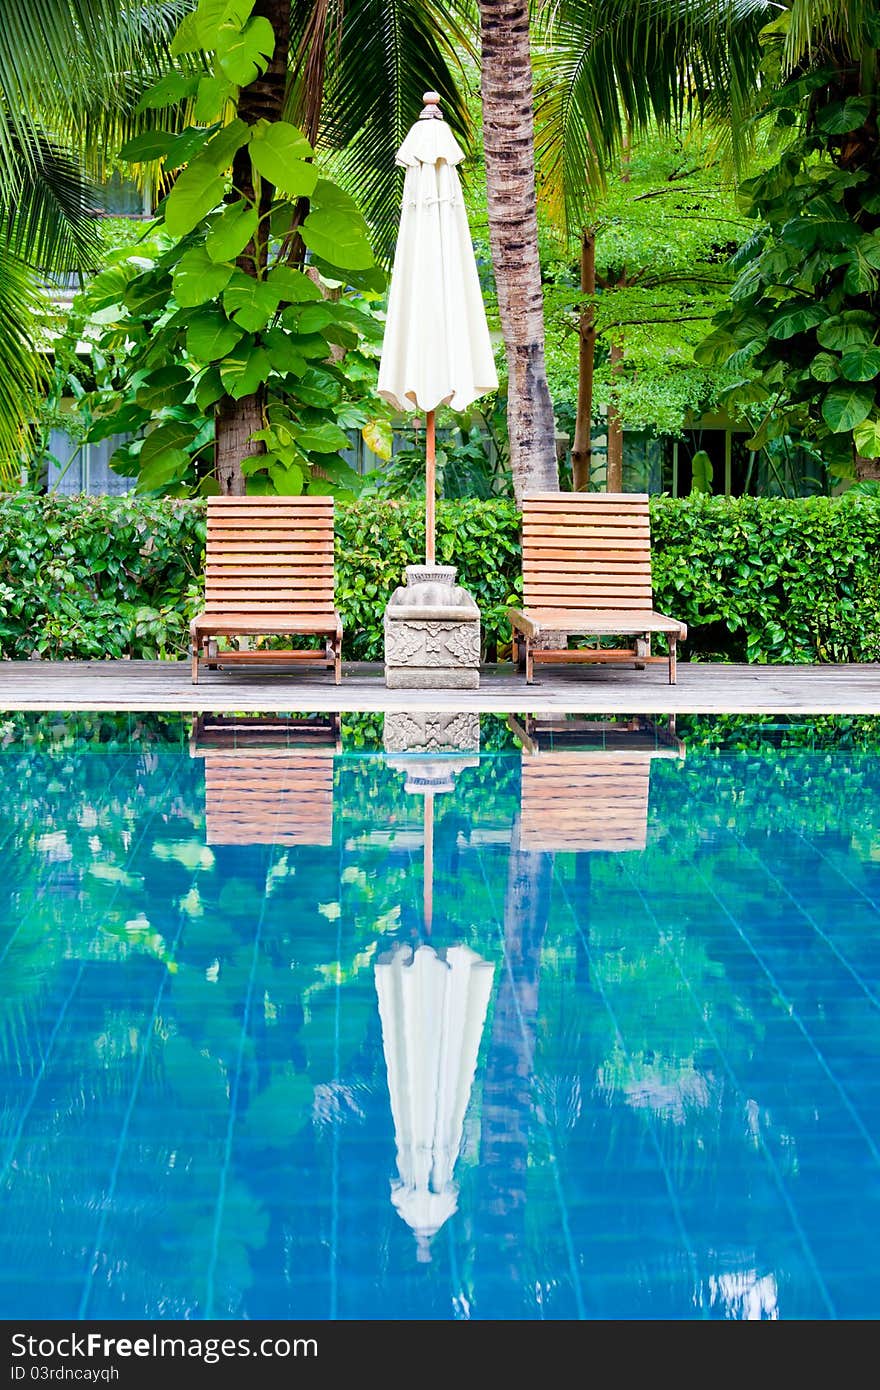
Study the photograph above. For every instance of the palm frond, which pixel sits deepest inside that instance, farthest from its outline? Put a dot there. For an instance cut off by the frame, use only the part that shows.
(21, 369)
(606, 68)
(49, 220)
(838, 23)
(75, 67)
(386, 54)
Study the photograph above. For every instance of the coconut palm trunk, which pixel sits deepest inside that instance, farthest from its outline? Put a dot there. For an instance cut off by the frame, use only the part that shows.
(508, 137)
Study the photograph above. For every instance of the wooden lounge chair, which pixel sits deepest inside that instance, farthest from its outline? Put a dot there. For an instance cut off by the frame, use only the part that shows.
(269, 573)
(267, 782)
(587, 573)
(577, 799)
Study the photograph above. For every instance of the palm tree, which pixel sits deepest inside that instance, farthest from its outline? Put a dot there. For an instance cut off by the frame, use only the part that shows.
(71, 72)
(508, 125)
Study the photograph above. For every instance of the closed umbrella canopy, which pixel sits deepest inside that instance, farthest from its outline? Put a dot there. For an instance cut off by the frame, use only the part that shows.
(433, 1008)
(436, 349)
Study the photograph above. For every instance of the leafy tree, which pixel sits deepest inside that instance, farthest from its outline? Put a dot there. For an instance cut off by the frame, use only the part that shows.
(655, 251)
(247, 335)
(170, 329)
(802, 331)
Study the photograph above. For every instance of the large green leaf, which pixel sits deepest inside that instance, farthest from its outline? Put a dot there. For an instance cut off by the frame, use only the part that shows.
(825, 367)
(211, 336)
(197, 191)
(846, 406)
(197, 278)
(174, 87)
(838, 117)
(311, 318)
(173, 434)
(287, 480)
(186, 145)
(167, 386)
(317, 388)
(868, 247)
(212, 14)
(211, 97)
(337, 239)
(232, 230)
(245, 370)
(325, 438)
(822, 223)
(148, 293)
(866, 438)
(150, 144)
(861, 363)
(281, 347)
(169, 467)
(279, 153)
(798, 319)
(221, 148)
(853, 327)
(243, 54)
(293, 286)
(209, 389)
(251, 303)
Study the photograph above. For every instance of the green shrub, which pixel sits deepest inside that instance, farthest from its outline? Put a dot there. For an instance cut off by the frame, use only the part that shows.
(771, 579)
(755, 579)
(98, 576)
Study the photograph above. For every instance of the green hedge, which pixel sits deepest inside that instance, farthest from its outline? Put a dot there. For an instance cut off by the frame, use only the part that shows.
(755, 579)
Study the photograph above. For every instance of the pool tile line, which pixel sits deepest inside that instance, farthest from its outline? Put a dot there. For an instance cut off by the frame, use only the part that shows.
(706, 1024)
(808, 917)
(794, 1016)
(835, 868)
(671, 1189)
(574, 1270)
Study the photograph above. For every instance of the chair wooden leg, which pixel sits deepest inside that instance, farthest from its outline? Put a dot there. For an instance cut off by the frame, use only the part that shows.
(520, 651)
(195, 662)
(530, 663)
(673, 663)
(643, 648)
(334, 658)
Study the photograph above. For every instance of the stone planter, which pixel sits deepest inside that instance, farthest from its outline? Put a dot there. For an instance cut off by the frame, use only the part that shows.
(432, 633)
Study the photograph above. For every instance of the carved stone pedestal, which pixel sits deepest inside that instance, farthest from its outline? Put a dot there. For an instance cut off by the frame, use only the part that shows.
(432, 636)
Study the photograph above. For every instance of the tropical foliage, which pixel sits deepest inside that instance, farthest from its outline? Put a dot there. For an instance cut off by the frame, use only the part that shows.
(801, 333)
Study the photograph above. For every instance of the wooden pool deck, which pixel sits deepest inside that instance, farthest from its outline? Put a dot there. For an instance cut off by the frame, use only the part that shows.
(702, 689)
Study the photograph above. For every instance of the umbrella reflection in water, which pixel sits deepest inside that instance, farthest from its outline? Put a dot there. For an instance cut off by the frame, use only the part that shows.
(433, 1003)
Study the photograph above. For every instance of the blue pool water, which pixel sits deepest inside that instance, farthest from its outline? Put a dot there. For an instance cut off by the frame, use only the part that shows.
(585, 1032)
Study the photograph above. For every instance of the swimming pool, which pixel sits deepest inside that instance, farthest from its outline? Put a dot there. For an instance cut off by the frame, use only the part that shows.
(315, 1025)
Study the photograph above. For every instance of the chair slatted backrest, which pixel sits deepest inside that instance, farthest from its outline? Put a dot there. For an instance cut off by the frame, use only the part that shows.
(268, 555)
(585, 801)
(271, 797)
(587, 550)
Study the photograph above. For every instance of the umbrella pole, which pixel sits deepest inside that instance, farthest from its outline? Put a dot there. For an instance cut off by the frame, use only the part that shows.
(428, 888)
(430, 487)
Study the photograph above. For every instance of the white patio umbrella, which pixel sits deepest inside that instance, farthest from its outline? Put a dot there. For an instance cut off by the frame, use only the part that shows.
(436, 349)
(433, 1006)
